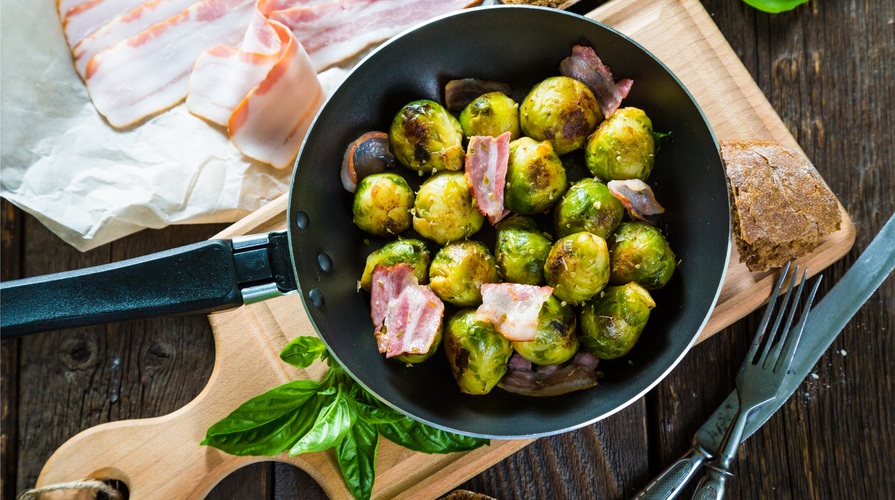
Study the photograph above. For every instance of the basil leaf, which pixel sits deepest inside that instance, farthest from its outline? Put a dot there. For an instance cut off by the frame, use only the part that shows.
(357, 458)
(270, 438)
(425, 439)
(333, 422)
(377, 415)
(270, 406)
(775, 6)
(302, 351)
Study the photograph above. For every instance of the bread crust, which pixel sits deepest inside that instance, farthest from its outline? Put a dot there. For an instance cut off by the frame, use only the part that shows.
(781, 207)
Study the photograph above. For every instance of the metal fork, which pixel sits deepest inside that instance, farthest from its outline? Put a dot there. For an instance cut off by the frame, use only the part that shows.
(759, 380)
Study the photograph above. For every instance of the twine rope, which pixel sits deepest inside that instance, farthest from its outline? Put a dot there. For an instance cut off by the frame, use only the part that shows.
(85, 484)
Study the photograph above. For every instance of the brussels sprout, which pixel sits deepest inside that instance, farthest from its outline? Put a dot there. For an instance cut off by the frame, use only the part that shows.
(588, 206)
(425, 137)
(556, 342)
(611, 324)
(491, 114)
(535, 177)
(382, 204)
(478, 355)
(622, 147)
(561, 110)
(577, 267)
(445, 210)
(639, 253)
(521, 250)
(458, 271)
(411, 252)
(410, 359)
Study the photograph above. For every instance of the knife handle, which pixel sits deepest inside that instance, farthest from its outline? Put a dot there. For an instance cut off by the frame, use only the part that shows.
(673, 479)
(713, 485)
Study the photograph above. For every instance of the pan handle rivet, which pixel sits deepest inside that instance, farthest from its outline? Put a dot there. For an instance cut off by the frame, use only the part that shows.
(302, 220)
(316, 297)
(325, 262)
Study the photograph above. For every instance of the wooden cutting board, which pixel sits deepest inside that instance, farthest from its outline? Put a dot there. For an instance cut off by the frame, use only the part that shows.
(160, 458)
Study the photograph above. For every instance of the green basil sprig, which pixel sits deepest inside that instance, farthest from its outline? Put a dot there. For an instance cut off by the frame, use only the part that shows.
(775, 6)
(305, 416)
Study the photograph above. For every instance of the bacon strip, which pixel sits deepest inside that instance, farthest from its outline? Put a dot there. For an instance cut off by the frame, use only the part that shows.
(150, 72)
(551, 380)
(334, 31)
(406, 316)
(637, 197)
(513, 309)
(486, 172)
(82, 20)
(387, 285)
(585, 66)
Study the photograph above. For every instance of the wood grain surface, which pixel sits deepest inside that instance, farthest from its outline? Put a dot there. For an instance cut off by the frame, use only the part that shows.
(826, 68)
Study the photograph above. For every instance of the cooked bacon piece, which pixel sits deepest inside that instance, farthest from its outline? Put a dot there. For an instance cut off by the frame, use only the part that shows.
(82, 20)
(150, 72)
(124, 27)
(406, 316)
(336, 30)
(585, 66)
(637, 197)
(365, 156)
(551, 380)
(486, 174)
(513, 309)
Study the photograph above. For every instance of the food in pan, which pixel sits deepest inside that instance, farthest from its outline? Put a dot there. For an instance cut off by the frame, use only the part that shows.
(459, 270)
(577, 267)
(445, 210)
(637, 197)
(612, 322)
(486, 172)
(408, 251)
(513, 309)
(588, 206)
(555, 341)
(476, 353)
(536, 177)
(585, 66)
(623, 147)
(426, 138)
(781, 207)
(460, 93)
(491, 114)
(528, 379)
(639, 253)
(521, 250)
(368, 155)
(382, 204)
(561, 110)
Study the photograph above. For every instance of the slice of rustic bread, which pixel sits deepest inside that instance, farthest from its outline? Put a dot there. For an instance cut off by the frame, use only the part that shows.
(780, 205)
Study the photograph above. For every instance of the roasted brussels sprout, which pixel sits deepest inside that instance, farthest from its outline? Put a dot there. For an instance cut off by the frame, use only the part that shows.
(521, 250)
(535, 177)
(426, 138)
(478, 355)
(588, 206)
(411, 252)
(382, 204)
(411, 359)
(577, 267)
(491, 114)
(444, 209)
(622, 147)
(561, 110)
(639, 253)
(458, 271)
(612, 322)
(556, 342)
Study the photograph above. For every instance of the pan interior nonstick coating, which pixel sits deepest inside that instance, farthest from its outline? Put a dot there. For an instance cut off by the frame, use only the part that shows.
(521, 46)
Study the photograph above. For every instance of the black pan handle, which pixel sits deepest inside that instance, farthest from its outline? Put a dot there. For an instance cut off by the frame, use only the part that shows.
(205, 277)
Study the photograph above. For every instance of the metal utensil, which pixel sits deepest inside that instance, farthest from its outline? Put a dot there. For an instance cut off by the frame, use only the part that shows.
(825, 322)
(759, 379)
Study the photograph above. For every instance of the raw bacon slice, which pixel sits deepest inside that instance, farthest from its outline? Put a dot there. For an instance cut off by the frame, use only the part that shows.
(513, 309)
(552, 380)
(124, 27)
(63, 6)
(486, 172)
(585, 66)
(637, 197)
(150, 72)
(334, 31)
(406, 316)
(84, 19)
(268, 6)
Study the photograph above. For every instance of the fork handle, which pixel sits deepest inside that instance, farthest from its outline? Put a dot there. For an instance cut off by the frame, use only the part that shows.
(713, 485)
(673, 479)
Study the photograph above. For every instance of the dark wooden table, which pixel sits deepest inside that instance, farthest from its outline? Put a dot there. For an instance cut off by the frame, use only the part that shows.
(828, 68)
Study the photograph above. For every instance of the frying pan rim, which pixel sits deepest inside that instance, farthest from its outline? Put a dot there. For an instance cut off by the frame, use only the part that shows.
(651, 385)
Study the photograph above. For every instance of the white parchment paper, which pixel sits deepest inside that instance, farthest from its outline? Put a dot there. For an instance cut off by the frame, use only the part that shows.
(90, 183)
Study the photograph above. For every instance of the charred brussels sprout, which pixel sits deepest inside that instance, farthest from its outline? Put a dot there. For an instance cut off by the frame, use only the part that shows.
(444, 209)
(588, 206)
(478, 355)
(491, 114)
(382, 204)
(556, 342)
(611, 324)
(639, 253)
(425, 137)
(458, 271)
(561, 110)
(521, 250)
(411, 252)
(410, 359)
(577, 267)
(535, 177)
(622, 147)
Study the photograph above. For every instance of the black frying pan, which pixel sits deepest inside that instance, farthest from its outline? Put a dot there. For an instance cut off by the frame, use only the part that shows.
(322, 254)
